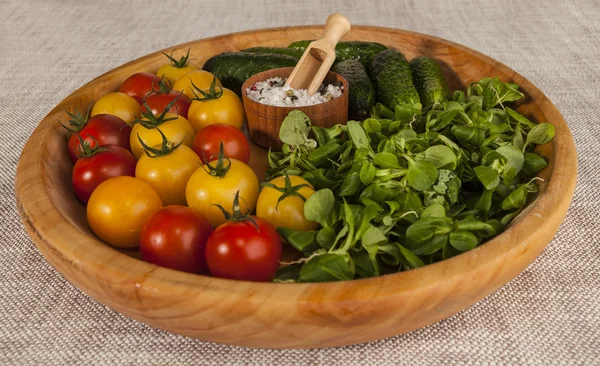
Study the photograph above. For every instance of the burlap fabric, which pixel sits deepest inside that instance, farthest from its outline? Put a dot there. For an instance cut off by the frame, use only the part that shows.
(550, 314)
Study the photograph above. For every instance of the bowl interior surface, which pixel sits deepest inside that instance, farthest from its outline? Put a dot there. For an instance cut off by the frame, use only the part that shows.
(287, 315)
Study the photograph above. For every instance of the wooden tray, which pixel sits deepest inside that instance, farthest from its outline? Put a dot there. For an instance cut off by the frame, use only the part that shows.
(272, 315)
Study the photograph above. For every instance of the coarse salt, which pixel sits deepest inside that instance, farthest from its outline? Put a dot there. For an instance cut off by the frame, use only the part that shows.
(274, 92)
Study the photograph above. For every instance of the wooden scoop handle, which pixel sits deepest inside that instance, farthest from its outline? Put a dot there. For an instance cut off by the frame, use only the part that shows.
(316, 61)
(336, 27)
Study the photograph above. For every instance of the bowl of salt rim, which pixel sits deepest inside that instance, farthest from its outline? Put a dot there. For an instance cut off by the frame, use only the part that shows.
(264, 120)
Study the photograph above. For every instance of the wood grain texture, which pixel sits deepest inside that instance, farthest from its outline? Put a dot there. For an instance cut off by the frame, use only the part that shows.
(264, 120)
(287, 315)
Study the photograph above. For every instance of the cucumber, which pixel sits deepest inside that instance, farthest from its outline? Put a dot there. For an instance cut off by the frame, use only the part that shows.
(361, 93)
(233, 68)
(429, 81)
(300, 45)
(392, 78)
(276, 50)
(357, 50)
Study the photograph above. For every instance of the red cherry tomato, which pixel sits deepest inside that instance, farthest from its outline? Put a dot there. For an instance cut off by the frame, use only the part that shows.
(106, 162)
(175, 237)
(105, 129)
(208, 140)
(242, 251)
(139, 85)
(158, 103)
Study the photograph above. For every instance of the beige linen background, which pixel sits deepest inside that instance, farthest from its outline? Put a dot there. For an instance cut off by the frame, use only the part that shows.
(550, 314)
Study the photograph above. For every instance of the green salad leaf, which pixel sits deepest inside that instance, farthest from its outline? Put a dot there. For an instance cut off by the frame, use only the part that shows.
(409, 187)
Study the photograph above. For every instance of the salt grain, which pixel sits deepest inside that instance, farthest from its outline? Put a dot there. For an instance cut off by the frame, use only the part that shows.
(274, 92)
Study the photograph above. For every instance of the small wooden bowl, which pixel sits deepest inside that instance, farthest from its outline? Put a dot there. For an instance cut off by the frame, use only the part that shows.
(276, 315)
(264, 120)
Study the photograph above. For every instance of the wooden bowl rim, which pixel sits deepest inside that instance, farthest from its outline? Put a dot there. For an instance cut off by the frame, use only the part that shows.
(154, 278)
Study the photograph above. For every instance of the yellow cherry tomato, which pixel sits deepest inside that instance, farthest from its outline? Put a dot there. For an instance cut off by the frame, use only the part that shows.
(174, 73)
(176, 68)
(201, 79)
(176, 130)
(227, 109)
(118, 104)
(204, 190)
(289, 212)
(118, 209)
(168, 174)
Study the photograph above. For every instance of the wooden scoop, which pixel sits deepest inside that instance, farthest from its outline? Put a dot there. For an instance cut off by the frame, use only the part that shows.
(310, 71)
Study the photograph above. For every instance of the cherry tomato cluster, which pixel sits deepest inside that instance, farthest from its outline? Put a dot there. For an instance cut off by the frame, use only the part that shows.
(162, 164)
